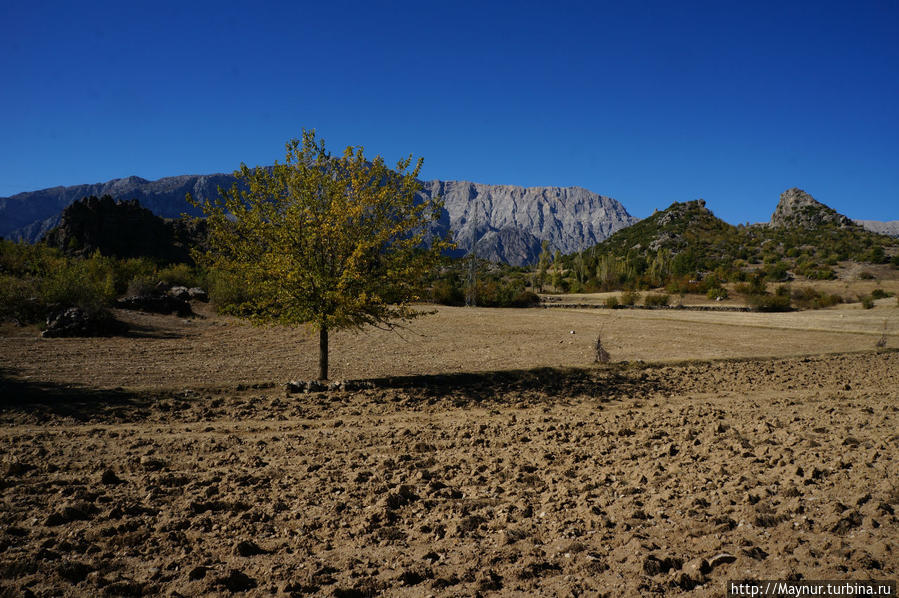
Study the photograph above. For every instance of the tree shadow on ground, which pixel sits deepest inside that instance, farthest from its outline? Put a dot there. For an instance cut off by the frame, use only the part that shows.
(602, 383)
(43, 399)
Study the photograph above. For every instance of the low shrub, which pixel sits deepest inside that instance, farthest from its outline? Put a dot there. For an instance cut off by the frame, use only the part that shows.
(657, 300)
(867, 301)
(227, 292)
(879, 294)
(181, 275)
(865, 275)
(444, 292)
(19, 299)
(770, 303)
(611, 302)
(142, 284)
(629, 298)
(88, 284)
(525, 299)
(809, 298)
(716, 293)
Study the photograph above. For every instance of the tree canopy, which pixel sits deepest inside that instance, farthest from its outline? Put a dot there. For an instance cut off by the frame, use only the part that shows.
(332, 241)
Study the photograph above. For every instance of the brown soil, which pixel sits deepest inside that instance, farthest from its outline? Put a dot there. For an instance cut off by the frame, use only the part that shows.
(628, 479)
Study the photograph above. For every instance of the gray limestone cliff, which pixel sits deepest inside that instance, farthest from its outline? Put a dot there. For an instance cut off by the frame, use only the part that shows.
(510, 222)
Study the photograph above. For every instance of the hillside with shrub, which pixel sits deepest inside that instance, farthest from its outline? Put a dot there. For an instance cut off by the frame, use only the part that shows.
(687, 249)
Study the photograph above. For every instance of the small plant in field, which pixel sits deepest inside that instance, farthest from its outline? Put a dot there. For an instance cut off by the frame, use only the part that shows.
(879, 294)
(867, 301)
(611, 302)
(882, 341)
(602, 356)
(865, 275)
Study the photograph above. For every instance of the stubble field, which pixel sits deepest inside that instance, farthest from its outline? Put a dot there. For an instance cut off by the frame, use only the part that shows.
(504, 462)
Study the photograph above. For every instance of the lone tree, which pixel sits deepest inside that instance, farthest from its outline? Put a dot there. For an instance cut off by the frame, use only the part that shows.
(335, 242)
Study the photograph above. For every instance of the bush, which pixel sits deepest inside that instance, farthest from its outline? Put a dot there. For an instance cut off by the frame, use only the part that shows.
(612, 302)
(809, 298)
(141, 285)
(128, 270)
(19, 300)
(181, 275)
(879, 294)
(822, 274)
(657, 300)
(88, 284)
(228, 293)
(445, 292)
(629, 298)
(867, 301)
(865, 275)
(716, 292)
(525, 299)
(770, 303)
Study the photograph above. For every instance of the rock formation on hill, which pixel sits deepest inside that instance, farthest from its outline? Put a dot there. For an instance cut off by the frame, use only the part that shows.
(799, 209)
(123, 229)
(509, 222)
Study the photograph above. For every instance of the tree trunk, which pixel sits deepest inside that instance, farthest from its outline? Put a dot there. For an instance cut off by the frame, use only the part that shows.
(323, 353)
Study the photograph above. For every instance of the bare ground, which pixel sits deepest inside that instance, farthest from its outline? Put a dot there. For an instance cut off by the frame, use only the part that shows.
(139, 466)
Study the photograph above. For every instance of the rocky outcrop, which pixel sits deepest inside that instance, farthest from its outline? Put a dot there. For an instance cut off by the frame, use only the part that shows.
(123, 229)
(507, 222)
(74, 321)
(157, 304)
(799, 209)
(890, 229)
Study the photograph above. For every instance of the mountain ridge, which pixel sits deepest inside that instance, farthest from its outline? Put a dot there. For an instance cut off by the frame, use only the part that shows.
(509, 222)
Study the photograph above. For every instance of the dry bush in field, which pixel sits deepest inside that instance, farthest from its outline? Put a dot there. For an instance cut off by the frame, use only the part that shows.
(882, 341)
(602, 356)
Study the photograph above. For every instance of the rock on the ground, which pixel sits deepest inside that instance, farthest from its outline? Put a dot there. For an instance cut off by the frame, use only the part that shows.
(75, 321)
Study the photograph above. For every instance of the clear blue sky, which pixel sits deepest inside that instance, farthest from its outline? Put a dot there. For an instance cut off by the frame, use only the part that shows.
(647, 102)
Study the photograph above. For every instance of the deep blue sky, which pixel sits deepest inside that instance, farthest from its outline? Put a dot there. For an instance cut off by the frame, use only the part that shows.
(647, 102)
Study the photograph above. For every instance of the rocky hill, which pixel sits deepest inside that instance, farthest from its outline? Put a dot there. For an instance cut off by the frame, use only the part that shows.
(799, 209)
(509, 222)
(686, 241)
(123, 229)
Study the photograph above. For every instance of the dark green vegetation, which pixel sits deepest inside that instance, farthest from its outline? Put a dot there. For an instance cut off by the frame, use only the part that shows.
(686, 249)
(495, 285)
(37, 280)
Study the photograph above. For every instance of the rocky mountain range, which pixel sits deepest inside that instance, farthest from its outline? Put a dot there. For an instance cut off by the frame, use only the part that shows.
(507, 222)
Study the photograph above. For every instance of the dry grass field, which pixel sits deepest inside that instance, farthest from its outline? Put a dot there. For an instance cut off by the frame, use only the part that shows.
(716, 446)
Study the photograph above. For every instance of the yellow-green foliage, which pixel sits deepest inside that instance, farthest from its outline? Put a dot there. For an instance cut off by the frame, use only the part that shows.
(336, 242)
(36, 280)
(181, 275)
